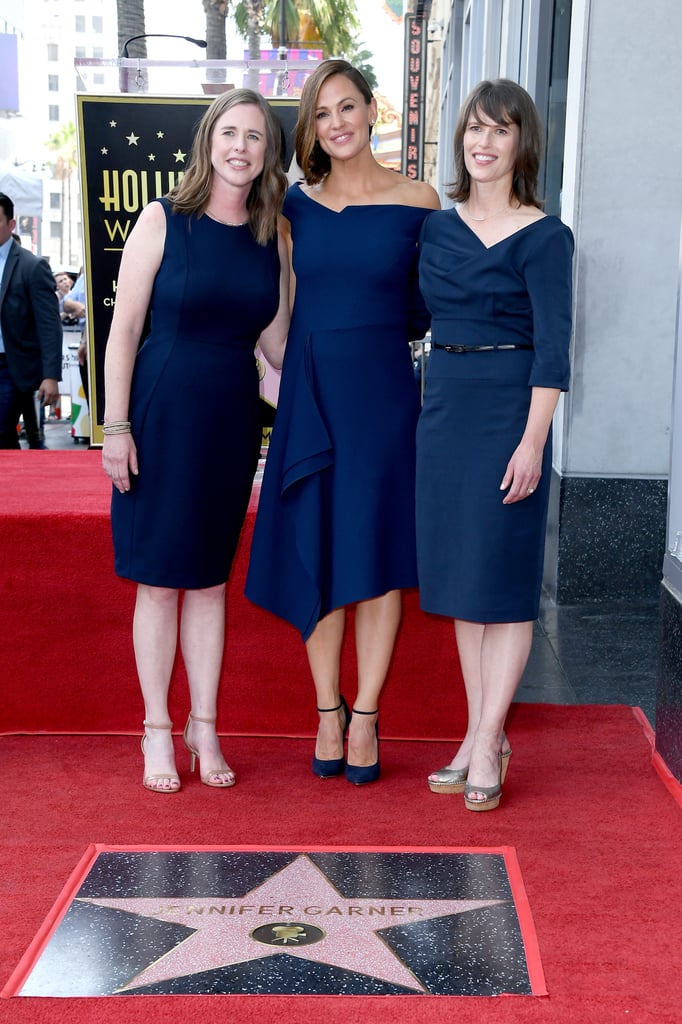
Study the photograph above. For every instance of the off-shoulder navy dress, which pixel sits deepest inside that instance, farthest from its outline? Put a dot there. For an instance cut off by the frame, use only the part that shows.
(481, 560)
(335, 522)
(194, 406)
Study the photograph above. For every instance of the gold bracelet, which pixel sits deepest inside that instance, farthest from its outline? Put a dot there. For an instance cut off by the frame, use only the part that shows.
(121, 427)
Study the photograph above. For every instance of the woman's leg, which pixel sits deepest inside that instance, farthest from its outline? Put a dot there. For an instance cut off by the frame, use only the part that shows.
(324, 657)
(155, 625)
(202, 639)
(376, 626)
(469, 637)
(504, 654)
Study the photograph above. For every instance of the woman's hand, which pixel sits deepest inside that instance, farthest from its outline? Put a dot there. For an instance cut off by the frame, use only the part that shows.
(523, 473)
(525, 466)
(119, 460)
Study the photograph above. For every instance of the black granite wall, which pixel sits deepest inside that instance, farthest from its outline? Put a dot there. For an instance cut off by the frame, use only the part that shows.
(605, 539)
(669, 684)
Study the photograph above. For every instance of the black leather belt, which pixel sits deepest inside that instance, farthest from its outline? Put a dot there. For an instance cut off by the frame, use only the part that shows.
(477, 348)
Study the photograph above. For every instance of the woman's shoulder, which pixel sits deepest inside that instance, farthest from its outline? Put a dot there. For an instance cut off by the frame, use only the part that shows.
(410, 192)
(293, 195)
(156, 211)
(551, 229)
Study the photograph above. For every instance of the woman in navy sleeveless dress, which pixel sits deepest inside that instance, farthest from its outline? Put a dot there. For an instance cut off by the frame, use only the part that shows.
(182, 421)
(335, 523)
(496, 275)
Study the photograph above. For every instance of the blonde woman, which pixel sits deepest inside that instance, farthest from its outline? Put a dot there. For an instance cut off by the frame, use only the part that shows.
(181, 426)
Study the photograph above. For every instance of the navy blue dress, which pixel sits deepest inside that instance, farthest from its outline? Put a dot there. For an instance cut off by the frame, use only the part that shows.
(335, 522)
(480, 560)
(195, 407)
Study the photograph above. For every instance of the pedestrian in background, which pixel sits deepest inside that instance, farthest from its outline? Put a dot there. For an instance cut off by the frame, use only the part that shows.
(30, 329)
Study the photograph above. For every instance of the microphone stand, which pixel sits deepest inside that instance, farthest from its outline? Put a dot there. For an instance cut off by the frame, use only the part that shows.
(160, 35)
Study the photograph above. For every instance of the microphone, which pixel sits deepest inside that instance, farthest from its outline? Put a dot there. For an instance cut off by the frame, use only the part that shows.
(160, 35)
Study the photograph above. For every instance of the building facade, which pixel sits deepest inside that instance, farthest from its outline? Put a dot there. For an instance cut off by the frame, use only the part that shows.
(40, 137)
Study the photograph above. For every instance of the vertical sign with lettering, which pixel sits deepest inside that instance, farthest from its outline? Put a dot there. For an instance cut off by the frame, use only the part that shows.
(413, 97)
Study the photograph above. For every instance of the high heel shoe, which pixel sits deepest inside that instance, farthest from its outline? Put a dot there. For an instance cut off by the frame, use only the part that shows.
(206, 776)
(452, 780)
(491, 794)
(148, 780)
(328, 768)
(505, 758)
(448, 780)
(360, 774)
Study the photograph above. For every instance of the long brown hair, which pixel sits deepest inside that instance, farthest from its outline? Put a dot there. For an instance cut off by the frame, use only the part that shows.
(504, 102)
(266, 195)
(310, 156)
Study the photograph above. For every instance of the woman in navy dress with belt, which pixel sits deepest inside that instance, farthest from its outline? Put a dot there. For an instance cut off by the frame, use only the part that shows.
(335, 523)
(182, 426)
(496, 273)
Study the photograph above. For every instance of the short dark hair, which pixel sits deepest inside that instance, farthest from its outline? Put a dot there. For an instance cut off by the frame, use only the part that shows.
(7, 205)
(310, 156)
(504, 102)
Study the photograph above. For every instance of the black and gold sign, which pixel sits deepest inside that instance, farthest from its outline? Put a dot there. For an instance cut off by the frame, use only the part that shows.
(132, 149)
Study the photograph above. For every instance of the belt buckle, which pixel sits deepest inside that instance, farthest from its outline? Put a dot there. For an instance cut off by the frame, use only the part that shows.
(458, 349)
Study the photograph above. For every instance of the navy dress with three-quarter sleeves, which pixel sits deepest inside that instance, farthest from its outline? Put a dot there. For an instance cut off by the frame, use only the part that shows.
(480, 560)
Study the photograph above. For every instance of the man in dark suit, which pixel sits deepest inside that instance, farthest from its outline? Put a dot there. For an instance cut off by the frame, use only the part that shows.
(30, 328)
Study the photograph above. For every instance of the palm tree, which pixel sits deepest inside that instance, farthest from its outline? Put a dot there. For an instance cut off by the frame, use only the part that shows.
(250, 22)
(334, 22)
(216, 43)
(130, 19)
(331, 22)
(64, 145)
(130, 22)
(360, 59)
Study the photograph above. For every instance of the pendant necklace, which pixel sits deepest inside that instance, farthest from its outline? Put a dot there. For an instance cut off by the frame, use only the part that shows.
(488, 215)
(227, 223)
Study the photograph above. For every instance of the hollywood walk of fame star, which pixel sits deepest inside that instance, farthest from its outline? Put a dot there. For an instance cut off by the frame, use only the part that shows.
(343, 932)
(132, 139)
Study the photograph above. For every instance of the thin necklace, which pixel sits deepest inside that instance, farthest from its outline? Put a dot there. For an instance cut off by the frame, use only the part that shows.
(488, 215)
(227, 223)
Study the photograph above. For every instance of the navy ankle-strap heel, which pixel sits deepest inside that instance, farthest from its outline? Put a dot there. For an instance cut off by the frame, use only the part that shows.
(328, 769)
(360, 774)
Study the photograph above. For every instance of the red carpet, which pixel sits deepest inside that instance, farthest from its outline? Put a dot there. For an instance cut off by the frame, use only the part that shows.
(597, 836)
(596, 827)
(68, 666)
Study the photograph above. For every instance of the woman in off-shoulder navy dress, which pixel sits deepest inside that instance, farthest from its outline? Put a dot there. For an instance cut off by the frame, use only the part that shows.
(496, 274)
(335, 523)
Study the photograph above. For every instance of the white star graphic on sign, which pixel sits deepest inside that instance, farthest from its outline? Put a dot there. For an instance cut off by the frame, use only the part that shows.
(179, 156)
(104, 150)
(299, 896)
(132, 139)
(112, 124)
(151, 158)
(160, 135)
